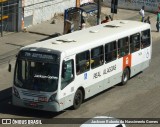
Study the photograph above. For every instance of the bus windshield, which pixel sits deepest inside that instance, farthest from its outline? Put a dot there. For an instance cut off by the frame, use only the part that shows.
(36, 75)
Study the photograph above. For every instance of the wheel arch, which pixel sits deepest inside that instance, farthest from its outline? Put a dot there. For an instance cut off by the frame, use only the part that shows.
(129, 68)
(125, 75)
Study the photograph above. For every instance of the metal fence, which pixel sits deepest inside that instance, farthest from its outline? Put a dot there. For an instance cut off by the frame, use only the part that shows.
(8, 16)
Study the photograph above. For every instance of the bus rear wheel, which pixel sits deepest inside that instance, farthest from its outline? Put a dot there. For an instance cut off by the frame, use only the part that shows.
(125, 76)
(78, 98)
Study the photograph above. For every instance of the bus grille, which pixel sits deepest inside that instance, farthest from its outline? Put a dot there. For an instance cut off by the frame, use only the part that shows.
(32, 94)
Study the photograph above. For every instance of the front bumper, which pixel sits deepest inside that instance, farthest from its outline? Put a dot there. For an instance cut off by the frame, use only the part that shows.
(46, 106)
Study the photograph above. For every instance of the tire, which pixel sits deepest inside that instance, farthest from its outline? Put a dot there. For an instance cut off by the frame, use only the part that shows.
(125, 76)
(78, 99)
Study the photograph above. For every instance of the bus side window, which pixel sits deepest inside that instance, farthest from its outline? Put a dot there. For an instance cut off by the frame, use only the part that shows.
(134, 42)
(123, 47)
(145, 39)
(67, 73)
(97, 56)
(82, 62)
(110, 51)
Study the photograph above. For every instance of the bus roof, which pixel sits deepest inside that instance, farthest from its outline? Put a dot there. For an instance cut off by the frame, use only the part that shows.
(90, 37)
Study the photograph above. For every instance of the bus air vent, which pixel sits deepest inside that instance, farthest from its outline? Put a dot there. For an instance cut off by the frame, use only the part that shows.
(123, 22)
(56, 42)
(93, 31)
(33, 49)
(66, 40)
(113, 25)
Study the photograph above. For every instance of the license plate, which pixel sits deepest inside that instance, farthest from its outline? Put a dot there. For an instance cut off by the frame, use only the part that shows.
(42, 99)
(33, 104)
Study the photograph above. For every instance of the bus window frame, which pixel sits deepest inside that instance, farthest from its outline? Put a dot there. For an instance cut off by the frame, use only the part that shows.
(147, 38)
(123, 53)
(84, 66)
(100, 57)
(115, 50)
(134, 45)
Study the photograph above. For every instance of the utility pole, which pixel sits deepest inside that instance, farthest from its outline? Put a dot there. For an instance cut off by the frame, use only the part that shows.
(114, 6)
(77, 3)
(2, 19)
(99, 13)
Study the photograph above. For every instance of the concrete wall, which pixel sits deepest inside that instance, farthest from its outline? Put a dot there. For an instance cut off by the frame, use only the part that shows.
(37, 11)
(150, 5)
(85, 1)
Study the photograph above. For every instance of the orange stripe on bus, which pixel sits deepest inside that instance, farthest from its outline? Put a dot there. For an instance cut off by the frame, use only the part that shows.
(127, 61)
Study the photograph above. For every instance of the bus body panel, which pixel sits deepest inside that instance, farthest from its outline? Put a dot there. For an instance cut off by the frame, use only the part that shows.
(146, 57)
(95, 81)
(113, 73)
(136, 64)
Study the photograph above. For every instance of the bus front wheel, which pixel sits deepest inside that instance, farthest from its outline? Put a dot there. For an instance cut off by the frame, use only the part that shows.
(78, 98)
(125, 76)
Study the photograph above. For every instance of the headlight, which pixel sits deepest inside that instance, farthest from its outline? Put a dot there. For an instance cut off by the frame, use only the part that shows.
(15, 92)
(52, 98)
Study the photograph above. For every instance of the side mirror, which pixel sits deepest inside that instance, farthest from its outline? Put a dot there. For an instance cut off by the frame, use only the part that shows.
(9, 67)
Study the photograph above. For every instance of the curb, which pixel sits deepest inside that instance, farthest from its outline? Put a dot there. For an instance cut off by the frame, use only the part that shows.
(38, 33)
(49, 35)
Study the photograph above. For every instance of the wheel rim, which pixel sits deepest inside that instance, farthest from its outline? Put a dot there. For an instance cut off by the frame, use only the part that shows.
(125, 76)
(78, 98)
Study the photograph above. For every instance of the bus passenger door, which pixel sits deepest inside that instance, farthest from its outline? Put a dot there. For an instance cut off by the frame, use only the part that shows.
(146, 48)
(136, 54)
(67, 83)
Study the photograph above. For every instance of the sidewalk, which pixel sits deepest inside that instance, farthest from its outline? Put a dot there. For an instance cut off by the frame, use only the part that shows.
(10, 44)
(48, 28)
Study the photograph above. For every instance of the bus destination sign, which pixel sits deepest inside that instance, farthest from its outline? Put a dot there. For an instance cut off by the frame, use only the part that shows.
(39, 56)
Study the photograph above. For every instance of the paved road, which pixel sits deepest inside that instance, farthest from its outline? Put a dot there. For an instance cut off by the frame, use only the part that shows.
(138, 99)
